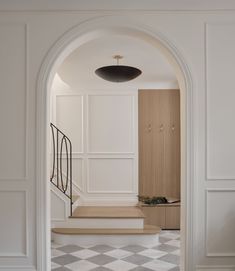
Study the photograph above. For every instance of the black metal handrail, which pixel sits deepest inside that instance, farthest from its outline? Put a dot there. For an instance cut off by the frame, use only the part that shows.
(63, 181)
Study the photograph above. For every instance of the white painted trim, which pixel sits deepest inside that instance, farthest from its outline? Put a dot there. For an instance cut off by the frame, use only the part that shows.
(14, 268)
(66, 44)
(215, 267)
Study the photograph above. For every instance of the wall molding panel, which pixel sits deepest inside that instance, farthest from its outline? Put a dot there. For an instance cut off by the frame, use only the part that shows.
(117, 191)
(219, 152)
(130, 126)
(72, 121)
(128, 152)
(14, 40)
(219, 223)
(19, 232)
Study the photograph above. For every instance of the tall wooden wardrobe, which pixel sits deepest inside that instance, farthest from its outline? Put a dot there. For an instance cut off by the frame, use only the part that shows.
(159, 154)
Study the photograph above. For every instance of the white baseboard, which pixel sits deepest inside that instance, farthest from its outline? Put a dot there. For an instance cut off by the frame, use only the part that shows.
(216, 268)
(18, 268)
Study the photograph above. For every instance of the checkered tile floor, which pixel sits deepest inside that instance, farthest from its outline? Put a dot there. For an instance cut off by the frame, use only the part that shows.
(164, 256)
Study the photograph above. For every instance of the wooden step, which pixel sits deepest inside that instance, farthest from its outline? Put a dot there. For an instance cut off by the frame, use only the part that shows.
(148, 229)
(107, 212)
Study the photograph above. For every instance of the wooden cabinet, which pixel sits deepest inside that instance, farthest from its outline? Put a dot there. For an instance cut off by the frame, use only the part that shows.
(166, 216)
(159, 143)
(159, 152)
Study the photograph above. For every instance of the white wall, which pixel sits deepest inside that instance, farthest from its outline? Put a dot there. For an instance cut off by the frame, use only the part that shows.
(105, 143)
(205, 39)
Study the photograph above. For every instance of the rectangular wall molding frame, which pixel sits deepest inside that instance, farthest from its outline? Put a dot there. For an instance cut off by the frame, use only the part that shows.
(89, 190)
(209, 243)
(209, 138)
(82, 116)
(24, 252)
(133, 125)
(21, 26)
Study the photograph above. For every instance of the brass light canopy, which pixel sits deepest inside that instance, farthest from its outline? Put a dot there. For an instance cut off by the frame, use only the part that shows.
(118, 73)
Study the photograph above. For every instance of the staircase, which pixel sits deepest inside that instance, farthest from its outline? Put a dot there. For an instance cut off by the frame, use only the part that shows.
(91, 225)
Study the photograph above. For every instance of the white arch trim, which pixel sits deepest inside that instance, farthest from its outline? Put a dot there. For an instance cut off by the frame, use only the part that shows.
(71, 40)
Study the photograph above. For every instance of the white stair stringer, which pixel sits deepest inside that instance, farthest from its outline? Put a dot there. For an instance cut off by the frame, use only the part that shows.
(60, 205)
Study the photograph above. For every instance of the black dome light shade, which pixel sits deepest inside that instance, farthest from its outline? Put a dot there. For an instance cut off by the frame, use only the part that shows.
(118, 73)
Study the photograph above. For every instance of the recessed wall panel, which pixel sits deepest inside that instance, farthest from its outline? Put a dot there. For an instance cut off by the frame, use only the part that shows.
(13, 96)
(110, 123)
(69, 118)
(13, 239)
(110, 175)
(220, 238)
(220, 44)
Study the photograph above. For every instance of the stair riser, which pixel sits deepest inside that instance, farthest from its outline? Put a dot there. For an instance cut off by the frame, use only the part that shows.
(101, 223)
(112, 240)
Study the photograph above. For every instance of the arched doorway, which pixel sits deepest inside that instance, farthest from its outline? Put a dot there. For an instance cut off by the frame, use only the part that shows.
(69, 42)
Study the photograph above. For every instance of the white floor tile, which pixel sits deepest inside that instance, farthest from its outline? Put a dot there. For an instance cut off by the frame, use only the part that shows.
(159, 265)
(152, 253)
(120, 266)
(175, 243)
(85, 253)
(82, 265)
(118, 253)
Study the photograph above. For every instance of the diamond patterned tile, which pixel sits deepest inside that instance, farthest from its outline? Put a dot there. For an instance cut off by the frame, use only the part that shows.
(153, 253)
(120, 265)
(166, 248)
(170, 235)
(134, 248)
(65, 259)
(56, 253)
(69, 248)
(54, 245)
(118, 253)
(84, 254)
(176, 252)
(175, 243)
(101, 259)
(101, 248)
(163, 240)
(137, 259)
(54, 265)
(159, 265)
(170, 258)
(163, 256)
(82, 265)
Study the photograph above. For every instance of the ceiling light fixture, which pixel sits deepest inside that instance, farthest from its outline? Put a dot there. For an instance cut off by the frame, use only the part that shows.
(118, 73)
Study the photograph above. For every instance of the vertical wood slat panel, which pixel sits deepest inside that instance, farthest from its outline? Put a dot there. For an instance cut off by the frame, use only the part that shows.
(159, 143)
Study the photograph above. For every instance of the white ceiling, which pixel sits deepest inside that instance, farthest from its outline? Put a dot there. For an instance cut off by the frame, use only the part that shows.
(78, 69)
